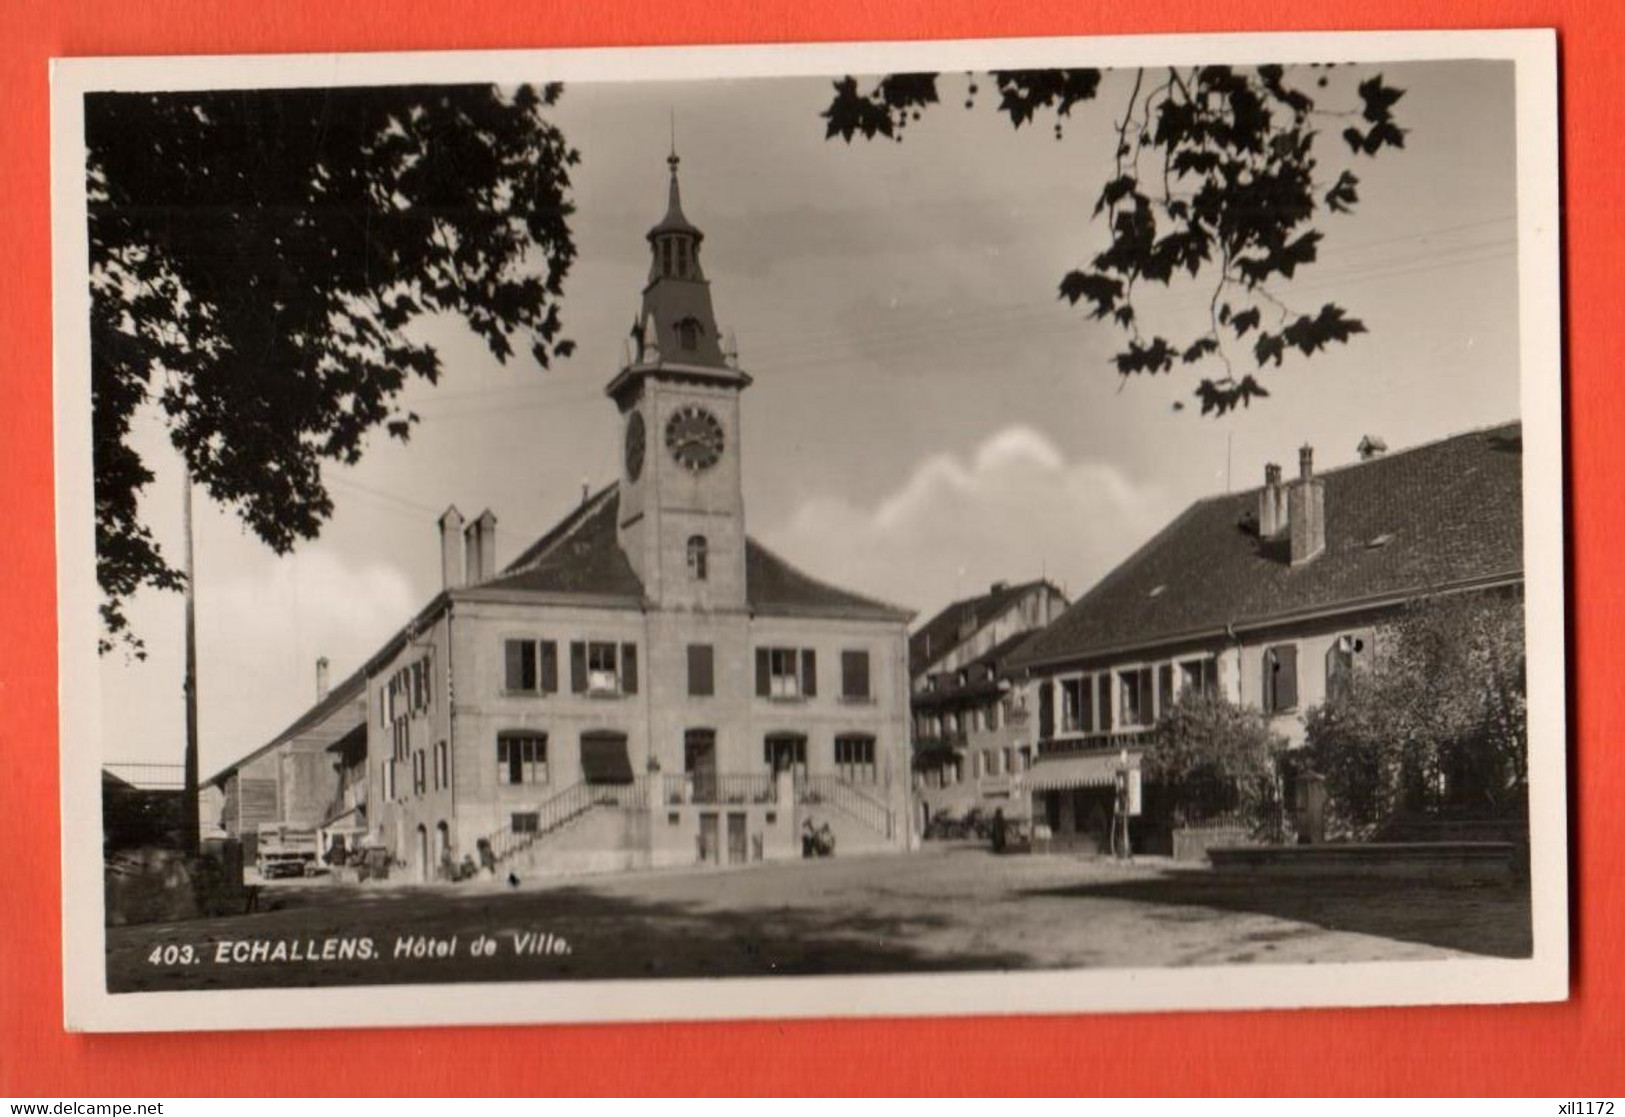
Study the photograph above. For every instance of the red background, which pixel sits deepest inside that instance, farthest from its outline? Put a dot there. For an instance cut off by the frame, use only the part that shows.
(1576, 1049)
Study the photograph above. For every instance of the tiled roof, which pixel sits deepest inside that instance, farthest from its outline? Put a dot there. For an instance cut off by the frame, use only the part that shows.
(579, 556)
(582, 556)
(1445, 514)
(343, 694)
(773, 586)
(945, 632)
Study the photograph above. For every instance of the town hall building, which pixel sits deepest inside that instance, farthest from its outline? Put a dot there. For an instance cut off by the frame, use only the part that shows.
(645, 684)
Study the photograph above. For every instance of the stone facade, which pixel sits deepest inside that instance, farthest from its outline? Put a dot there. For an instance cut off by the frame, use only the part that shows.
(645, 685)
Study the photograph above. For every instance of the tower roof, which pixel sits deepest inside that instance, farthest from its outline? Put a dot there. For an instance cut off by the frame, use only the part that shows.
(675, 221)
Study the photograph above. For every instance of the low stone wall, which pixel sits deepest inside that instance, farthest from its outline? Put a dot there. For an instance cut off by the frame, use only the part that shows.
(1192, 843)
(1445, 861)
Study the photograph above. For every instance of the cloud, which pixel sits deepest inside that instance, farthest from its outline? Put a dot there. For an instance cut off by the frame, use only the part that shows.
(1015, 509)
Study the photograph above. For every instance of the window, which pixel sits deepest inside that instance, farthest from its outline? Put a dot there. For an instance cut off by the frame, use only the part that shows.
(701, 675)
(1200, 675)
(530, 667)
(855, 759)
(688, 334)
(520, 673)
(855, 676)
(1280, 678)
(406, 692)
(389, 779)
(665, 256)
(420, 773)
(526, 822)
(1105, 702)
(784, 752)
(1134, 699)
(442, 765)
(601, 667)
(1009, 762)
(993, 717)
(1340, 667)
(521, 758)
(682, 267)
(1165, 688)
(697, 558)
(786, 673)
(1077, 712)
(400, 739)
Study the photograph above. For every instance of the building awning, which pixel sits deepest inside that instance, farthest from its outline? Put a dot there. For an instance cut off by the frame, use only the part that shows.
(1099, 770)
(604, 759)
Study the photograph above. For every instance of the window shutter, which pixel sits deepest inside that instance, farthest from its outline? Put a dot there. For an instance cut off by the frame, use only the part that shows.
(1105, 703)
(513, 650)
(764, 686)
(855, 674)
(578, 667)
(1286, 676)
(1165, 687)
(700, 682)
(809, 673)
(550, 667)
(1046, 710)
(629, 668)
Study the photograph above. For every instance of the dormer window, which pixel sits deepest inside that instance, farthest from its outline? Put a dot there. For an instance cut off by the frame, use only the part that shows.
(688, 334)
(682, 259)
(665, 256)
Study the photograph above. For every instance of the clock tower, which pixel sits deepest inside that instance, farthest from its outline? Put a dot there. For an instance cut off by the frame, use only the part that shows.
(682, 514)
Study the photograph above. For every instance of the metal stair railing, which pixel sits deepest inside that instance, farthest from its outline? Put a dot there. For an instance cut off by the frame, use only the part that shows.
(561, 810)
(718, 788)
(849, 798)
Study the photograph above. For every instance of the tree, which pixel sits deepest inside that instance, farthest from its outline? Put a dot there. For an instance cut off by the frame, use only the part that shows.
(255, 260)
(1216, 176)
(1212, 758)
(1435, 722)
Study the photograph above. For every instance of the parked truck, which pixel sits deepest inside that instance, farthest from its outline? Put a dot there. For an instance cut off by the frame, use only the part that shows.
(286, 850)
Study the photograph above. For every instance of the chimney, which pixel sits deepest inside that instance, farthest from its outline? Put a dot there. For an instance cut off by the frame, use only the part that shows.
(321, 678)
(1272, 506)
(480, 547)
(1370, 447)
(1307, 518)
(998, 587)
(451, 553)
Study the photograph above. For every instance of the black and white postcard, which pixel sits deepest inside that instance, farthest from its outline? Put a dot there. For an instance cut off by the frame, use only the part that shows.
(983, 527)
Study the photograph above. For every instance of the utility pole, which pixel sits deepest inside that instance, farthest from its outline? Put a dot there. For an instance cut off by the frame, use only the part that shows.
(189, 800)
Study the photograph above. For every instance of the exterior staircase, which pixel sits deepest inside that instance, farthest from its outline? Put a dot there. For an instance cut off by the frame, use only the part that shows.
(559, 812)
(849, 799)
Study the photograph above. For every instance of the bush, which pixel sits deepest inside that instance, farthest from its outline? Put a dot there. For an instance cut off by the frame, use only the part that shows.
(1215, 760)
(1434, 723)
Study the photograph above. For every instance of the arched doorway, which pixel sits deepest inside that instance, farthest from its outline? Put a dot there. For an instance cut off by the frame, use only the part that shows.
(423, 852)
(442, 846)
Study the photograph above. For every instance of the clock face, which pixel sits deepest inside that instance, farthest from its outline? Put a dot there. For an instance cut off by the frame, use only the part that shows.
(634, 445)
(694, 437)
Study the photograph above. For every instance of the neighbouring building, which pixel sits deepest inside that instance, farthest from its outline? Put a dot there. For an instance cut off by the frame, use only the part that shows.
(645, 684)
(1270, 597)
(293, 779)
(974, 729)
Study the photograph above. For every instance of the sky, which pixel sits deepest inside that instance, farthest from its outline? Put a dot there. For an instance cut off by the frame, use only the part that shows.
(927, 416)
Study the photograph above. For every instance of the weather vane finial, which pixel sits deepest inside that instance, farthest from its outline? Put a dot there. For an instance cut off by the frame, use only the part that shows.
(671, 159)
